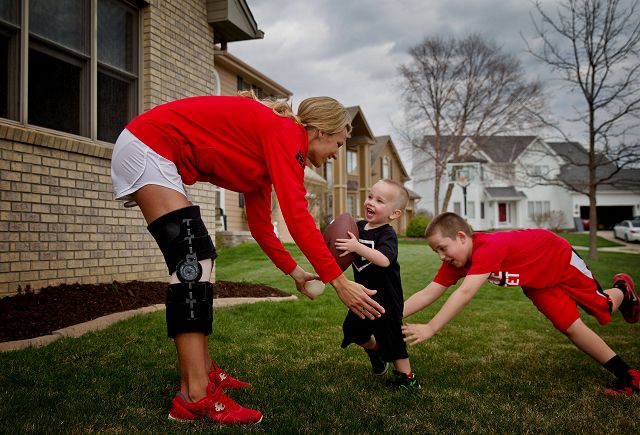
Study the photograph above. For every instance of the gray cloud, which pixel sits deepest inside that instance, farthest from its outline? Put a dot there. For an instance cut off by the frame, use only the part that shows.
(351, 49)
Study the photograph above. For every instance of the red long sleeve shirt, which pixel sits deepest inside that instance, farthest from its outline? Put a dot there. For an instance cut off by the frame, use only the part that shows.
(241, 145)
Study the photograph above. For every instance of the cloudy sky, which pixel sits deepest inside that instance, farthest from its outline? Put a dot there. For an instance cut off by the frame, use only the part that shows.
(351, 49)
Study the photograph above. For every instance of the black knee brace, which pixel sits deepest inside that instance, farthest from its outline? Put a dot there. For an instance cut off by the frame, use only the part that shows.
(184, 240)
(189, 308)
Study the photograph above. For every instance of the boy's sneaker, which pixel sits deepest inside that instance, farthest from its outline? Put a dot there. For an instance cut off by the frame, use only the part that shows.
(630, 306)
(627, 386)
(216, 406)
(224, 380)
(405, 381)
(378, 366)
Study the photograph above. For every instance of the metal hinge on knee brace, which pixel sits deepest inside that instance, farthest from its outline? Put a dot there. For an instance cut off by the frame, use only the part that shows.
(189, 269)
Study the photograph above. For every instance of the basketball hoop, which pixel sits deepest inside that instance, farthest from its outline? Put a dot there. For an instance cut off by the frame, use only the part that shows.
(462, 179)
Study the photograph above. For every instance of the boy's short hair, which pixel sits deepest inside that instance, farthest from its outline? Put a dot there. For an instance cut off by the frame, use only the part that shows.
(402, 198)
(448, 224)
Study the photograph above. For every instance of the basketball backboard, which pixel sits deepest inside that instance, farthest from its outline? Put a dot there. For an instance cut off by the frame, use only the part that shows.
(463, 174)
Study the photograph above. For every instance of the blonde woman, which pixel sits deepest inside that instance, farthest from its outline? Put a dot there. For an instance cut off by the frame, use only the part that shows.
(243, 145)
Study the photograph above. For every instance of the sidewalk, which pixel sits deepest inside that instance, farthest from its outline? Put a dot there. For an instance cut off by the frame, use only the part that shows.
(627, 248)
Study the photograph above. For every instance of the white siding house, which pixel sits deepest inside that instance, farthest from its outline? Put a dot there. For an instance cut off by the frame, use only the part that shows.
(510, 184)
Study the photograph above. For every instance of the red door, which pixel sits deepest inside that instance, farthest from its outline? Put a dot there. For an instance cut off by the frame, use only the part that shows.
(502, 212)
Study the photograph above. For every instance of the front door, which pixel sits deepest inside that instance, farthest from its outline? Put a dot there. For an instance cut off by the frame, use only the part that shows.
(502, 212)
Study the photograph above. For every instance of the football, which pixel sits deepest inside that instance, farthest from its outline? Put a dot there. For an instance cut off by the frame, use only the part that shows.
(337, 229)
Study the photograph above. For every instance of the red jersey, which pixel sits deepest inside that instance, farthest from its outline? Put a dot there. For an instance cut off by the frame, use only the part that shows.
(534, 259)
(241, 145)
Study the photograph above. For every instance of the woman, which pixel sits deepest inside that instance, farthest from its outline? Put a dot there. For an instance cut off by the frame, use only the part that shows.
(243, 145)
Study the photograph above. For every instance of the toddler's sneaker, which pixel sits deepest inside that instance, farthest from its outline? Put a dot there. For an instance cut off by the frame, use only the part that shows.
(627, 386)
(405, 381)
(378, 366)
(216, 406)
(224, 380)
(630, 306)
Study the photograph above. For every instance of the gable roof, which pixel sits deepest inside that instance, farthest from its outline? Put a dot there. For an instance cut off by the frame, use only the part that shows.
(503, 149)
(361, 131)
(498, 149)
(571, 152)
(379, 145)
(575, 171)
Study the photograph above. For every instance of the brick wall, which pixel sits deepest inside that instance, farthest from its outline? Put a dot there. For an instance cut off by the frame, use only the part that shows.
(58, 220)
(178, 51)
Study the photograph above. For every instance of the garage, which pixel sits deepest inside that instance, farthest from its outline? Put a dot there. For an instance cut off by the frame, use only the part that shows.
(608, 215)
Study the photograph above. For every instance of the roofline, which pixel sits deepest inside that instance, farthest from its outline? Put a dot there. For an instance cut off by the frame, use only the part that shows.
(395, 151)
(226, 59)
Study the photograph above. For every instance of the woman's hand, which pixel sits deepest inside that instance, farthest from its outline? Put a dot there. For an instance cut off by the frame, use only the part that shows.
(300, 276)
(357, 298)
(417, 333)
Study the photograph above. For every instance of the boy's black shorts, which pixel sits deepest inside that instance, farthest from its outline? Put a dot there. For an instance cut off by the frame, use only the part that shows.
(388, 334)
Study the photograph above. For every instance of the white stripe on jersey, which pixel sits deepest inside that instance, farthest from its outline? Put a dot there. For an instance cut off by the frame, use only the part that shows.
(579, 264)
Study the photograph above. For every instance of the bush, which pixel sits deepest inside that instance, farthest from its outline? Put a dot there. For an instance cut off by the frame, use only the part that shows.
(417, 226)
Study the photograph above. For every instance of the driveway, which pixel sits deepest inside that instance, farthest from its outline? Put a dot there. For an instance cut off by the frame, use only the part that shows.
(629, 247)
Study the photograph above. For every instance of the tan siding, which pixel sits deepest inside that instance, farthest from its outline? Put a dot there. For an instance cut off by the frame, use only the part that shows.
(228, 82)
(235, 214)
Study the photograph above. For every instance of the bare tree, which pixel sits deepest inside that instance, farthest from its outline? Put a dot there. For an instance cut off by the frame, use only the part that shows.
(594, 46)
(456, 89)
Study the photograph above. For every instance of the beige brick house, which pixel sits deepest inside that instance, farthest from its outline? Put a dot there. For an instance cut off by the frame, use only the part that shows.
(342, 185)
(64, 98)
(386, 163)
(234, 75)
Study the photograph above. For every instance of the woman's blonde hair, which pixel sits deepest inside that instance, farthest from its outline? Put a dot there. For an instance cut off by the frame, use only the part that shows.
(321, 113)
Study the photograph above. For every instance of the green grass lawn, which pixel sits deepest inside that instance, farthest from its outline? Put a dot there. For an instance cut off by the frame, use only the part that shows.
(582, 239)
(499, 367)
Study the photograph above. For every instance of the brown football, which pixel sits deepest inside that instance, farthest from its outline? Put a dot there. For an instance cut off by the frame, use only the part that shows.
(337, 229)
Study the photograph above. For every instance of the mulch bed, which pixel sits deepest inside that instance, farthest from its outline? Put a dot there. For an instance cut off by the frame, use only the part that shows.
(29, 314)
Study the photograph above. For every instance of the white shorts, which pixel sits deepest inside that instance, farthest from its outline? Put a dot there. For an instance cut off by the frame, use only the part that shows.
(134, 165)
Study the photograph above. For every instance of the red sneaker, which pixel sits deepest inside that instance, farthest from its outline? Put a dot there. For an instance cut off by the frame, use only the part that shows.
(216, 406)
(224, 380)
(626, 387)
(630, 306)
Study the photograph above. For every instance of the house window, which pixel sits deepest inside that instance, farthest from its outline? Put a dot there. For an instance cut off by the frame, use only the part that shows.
(457, 209)
(386, 168)
(471, 209)
(352, 205)
(117, 56)
(241, 200)
(537, 209)
(9, 49)
(482, 210)
(328, 173)
(352, 162)
(243, 85)
(540, 170)
(60, 58)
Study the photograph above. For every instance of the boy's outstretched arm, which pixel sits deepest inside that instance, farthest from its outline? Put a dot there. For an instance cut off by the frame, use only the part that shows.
(423, 298)
(418, 333)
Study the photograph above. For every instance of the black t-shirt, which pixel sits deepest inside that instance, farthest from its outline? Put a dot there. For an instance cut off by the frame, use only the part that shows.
(384, 279)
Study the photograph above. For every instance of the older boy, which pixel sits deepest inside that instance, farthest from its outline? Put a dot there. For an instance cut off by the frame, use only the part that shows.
(377, 267)
(551, 274)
